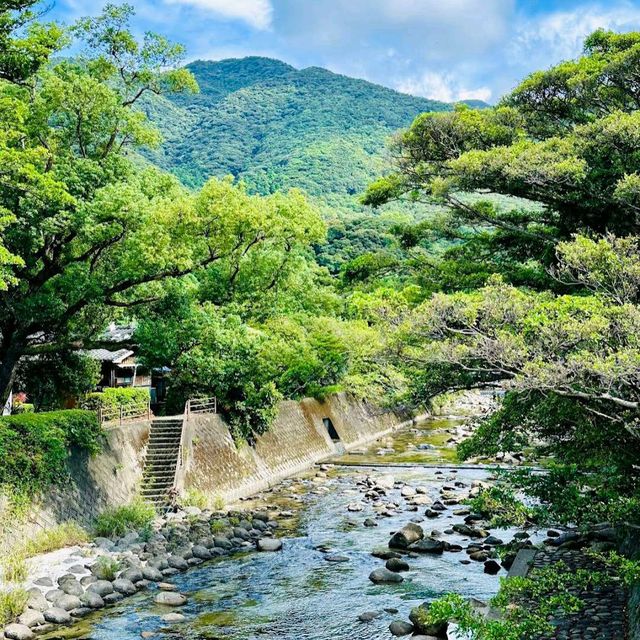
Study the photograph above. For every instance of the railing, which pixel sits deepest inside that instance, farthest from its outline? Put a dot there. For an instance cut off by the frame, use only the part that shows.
(201, 405)
(108, 415)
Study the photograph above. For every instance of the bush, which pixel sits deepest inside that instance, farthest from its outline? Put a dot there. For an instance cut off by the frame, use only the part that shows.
(114, 523)
(34, 447)
(195, 498)
(128, 398)
(12, 604)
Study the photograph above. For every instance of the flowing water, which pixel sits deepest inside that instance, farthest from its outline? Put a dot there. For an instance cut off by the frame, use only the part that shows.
(297, 594)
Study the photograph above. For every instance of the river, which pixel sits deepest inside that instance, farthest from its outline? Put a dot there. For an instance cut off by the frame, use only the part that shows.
(297, 594)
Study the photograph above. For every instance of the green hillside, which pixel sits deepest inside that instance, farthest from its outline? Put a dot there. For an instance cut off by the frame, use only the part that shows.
(277, 127)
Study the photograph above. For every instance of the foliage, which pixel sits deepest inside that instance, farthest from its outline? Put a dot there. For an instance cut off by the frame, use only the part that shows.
(129, 398)
(269, 124)
(528, 605)
(501, 507)
(34, 447)
(54, 380)
(116, 522)
(12, 604)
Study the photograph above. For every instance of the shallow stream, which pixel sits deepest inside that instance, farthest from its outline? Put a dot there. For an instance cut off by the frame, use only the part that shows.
(297, 594)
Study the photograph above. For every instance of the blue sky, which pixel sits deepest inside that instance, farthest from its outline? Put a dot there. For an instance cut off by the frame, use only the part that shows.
(442, 49)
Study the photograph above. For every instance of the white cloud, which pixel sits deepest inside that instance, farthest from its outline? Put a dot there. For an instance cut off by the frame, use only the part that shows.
(256, 13)
(560, 35)
(442, 87)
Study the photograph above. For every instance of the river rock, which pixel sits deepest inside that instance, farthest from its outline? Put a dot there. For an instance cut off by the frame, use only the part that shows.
(409, 534)
(491, 567)
(385, 554)
(177, 562)
(407, 491)
(396, 565)
(269, 544)
(370, 522)
(124, 586)
(152, 574)
(427, 545)
(18, 632)
(400, 628)
(417, 617)
(48, 582)
(31, 618)
(101, 587)
(67, 602)
(200, 551)
(113, 598)
(171, 599)
(56, 615)
(383, 575)
(134, 574)
(173, 617)
(37, 600)
(471, 532)
(368, 616)
(336, 558)
(92, 600)
(493, 541)
(385, 481)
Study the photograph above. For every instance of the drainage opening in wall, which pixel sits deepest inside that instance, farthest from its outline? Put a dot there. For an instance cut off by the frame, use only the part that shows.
(333, 434)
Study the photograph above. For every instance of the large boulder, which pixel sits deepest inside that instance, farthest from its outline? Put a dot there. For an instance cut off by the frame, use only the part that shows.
(31, 618)
(427, 545)
(124, 586)
(400, 628)
(68, 602)
(409, 534)
(101, 587)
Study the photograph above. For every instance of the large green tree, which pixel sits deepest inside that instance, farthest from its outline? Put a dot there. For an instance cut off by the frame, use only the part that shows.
(565, 139)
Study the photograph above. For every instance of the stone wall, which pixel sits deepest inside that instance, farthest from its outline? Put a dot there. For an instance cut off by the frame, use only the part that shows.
(109, 479)
(214, 464)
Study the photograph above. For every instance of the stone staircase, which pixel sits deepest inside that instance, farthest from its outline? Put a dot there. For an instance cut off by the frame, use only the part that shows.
(161, 461)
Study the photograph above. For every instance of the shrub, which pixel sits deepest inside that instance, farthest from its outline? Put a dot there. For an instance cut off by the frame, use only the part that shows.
(12, 604)
(117, 522)
(34, 447)
(64, 535)
(128, 398)
(501, 505)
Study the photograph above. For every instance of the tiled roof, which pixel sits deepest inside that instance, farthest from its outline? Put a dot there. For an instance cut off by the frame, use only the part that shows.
(104, 355)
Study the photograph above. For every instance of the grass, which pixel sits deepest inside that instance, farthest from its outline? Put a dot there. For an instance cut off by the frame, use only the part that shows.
(12, 604)
(195, 498)
(14, 566)
(106, 568)
(118, 522)
(66, 534)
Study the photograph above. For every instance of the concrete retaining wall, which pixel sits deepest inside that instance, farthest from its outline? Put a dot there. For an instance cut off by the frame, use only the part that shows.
(109, 479)
(214, 464)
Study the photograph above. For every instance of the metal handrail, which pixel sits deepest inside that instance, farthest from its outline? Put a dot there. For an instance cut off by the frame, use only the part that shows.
(201, 405)
(122, 414)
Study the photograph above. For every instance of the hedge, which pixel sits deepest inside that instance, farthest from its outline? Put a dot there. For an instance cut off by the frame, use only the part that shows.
(129, 398)
(34, 447)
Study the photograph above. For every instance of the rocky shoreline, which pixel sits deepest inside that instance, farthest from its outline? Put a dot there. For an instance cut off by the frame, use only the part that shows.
(107, 571)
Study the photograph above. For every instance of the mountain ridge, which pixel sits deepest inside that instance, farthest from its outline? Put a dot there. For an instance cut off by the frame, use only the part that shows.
(277, 127)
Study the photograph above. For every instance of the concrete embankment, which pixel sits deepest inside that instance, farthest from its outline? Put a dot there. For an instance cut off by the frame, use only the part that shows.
(211, 461)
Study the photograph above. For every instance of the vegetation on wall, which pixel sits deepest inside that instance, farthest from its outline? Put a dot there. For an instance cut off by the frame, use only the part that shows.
(34, 448)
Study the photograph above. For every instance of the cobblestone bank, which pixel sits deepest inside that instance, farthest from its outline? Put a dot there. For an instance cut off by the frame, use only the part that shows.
(604, 616)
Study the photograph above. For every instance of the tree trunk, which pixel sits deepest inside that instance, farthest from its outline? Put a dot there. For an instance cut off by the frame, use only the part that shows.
(10, 354)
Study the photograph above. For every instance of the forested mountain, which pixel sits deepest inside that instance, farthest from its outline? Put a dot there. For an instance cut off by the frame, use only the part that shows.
(278, 127)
